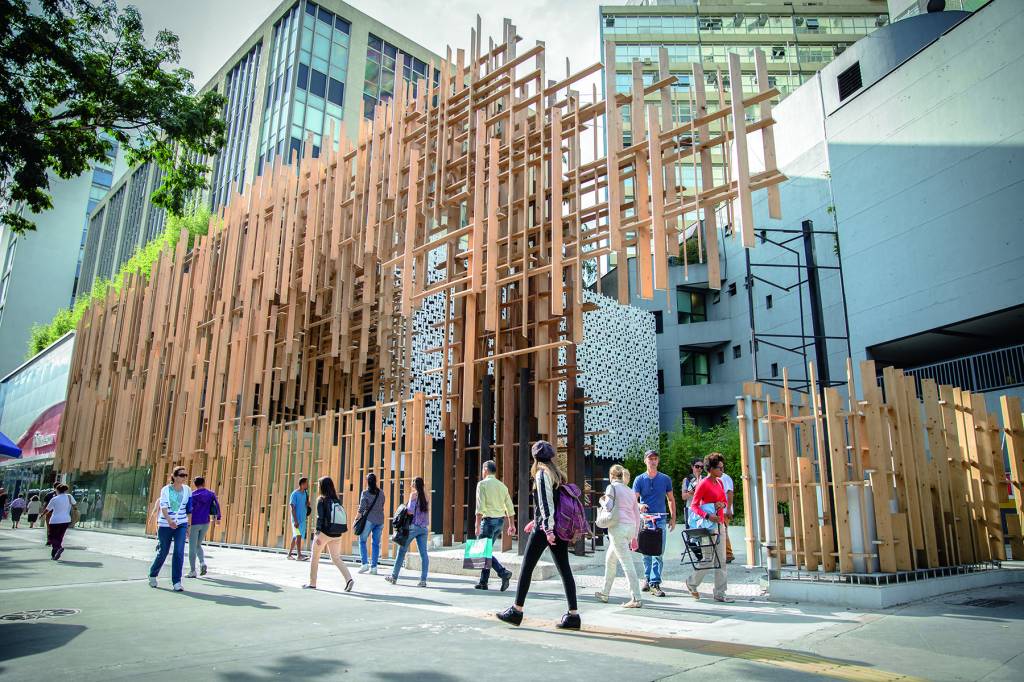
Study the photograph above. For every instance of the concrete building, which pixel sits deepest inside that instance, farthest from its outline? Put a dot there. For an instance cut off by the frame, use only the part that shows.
(902, 9)
(308, 68)
(909, 146)
(39, 270)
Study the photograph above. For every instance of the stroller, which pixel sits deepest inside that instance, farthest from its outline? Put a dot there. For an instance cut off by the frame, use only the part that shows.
(701, 540)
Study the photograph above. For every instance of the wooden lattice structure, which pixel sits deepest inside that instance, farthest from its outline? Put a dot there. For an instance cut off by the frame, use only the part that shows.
(890, 482)
(488, 189)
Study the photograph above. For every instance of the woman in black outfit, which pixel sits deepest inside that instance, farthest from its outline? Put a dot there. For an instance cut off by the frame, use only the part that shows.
(327, 536)
(546, 479)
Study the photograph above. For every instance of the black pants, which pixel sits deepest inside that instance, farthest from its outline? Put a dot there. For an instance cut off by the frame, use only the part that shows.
(55, 536)
(560, 553)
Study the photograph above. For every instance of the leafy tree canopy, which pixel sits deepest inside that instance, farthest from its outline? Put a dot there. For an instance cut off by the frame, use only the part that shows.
(71, 70)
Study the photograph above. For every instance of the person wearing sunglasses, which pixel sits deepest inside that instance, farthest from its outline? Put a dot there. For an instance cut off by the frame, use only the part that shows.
(711, 493)
(690, 484)
(172, 526)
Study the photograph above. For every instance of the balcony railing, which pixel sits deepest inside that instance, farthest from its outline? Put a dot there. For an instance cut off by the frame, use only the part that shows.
(990, 371)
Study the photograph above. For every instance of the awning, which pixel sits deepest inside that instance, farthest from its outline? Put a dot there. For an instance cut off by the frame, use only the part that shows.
(8, 448)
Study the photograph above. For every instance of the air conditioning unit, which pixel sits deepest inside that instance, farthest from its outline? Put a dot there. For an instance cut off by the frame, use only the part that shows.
(738, 19)
(799, 21)
(812, 24)
(762, 19)
(838, 49)
(609, 22)
(778, 52)
(647, 61)
(881, 20)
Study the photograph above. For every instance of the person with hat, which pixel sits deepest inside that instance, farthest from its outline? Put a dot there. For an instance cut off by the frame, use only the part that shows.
(654, 493)
(547, 478)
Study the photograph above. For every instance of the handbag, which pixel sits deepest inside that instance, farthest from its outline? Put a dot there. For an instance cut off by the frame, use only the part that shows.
(650, 541)
(479, 554)
(606, 516)
(400, 523)
(360, 524)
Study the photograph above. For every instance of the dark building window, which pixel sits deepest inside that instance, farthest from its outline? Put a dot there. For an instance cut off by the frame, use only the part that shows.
(775, 369)
(658, 324)
(721, 357)
(693, 366)
(716, 297)
(661, 382)
(303, 80)
(849, 81)
(317, 83)
(336, 92)
(737, 351)
(691, 306)
(732, 288)
(768, 301)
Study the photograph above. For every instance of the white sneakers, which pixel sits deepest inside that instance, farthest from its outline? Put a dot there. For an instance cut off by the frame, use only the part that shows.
(178, 587)
(365, 568)
(152, 582)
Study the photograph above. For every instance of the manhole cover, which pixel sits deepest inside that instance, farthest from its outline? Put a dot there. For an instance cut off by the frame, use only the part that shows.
(673, 614)
(39, 614)
(986, 603)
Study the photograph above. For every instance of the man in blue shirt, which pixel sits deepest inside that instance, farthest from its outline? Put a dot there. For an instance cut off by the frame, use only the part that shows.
(654, 493)
(298, 510)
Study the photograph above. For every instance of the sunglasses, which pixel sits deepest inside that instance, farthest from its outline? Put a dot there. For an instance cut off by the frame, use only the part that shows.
(181, 475)
(698, 466)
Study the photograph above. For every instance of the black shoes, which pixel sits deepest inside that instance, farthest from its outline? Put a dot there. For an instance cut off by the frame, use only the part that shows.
(480, 586)
(505, 580)
(513, 616)
(570, 621)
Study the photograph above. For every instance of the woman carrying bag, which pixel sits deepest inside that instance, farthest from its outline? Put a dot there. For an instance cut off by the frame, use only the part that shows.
(418, 530)
(172, 527)
(370, 524)
(619, 512)
(331, 524)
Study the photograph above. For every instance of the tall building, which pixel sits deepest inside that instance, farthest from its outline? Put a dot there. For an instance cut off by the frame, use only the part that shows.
(902, 9)
(309, 67)
(907, 150)
(39, 270)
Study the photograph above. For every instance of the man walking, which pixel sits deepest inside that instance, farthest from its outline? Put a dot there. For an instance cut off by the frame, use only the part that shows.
(298, 510)
(729, 487)
(202, 506)
(654, 493)
(493, 509)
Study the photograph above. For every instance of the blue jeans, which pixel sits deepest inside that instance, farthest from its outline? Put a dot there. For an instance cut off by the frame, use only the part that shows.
(419, 534)
(491, 528)
(165, 536)
(653, 564)
(369, 528)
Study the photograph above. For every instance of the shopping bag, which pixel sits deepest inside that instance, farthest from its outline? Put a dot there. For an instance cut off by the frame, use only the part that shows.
(478, 553)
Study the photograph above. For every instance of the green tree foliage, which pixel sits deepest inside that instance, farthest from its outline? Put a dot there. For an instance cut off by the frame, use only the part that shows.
(686, 443)
(142, 261)
(71, 70)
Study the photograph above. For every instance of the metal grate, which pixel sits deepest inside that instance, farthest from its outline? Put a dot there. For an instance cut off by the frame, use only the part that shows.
(985, 603)
(849, 81)
(39, 614)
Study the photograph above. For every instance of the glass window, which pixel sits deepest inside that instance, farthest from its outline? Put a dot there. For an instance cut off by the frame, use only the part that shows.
(376, 43)
(321, 47)
(325, 17)
(372, 73)
(306, 43)
(303, 79)
(310, 9)
(694, 368)
(342, 25)
(314, 120)
(691, 306)
(318, 82)
(387, 82)
(371, 103)
(336, 92)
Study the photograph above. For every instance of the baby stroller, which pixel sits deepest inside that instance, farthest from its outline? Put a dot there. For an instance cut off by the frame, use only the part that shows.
(700, 540)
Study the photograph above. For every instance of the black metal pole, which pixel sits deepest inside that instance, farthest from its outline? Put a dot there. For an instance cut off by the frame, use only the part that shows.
(577, 453)
(750, 315)
(523, 479)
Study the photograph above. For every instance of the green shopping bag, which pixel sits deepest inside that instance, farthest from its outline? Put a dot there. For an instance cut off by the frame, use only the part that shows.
(478, 553)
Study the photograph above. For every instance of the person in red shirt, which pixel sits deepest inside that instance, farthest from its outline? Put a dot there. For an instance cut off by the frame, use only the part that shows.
(711, 491)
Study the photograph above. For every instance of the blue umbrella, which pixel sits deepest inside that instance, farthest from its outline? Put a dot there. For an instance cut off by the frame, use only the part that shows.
(8, 448)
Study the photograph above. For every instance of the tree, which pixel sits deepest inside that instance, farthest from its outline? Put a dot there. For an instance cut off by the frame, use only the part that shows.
(74, 70)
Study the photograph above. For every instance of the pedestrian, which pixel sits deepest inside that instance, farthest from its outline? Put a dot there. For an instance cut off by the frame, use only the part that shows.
(172, 526)
(17, 509)
(202, 508)
(711, 491)
(622, 535)
(493, 509)
(689, 485)
(654, 493)
(547, 478)
(34, 506)
(370, 523)
(49, 495)
(729, 487)
(58, 519)
(418, 508)
(331, 524)
(298, 510)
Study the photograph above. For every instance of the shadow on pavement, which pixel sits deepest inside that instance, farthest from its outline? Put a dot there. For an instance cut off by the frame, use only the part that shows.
(82, 564)
(289, 666)
(231, 600)
(28, 639)
(238, 585)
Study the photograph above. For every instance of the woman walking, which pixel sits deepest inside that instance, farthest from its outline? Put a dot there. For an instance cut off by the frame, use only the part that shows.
(370, 523)
(34, 506)
(330, 525)
(418, 508)
(172, 527)
(547, 478)
(17, 509)
(58, 519)
(622, 533)
(711, 492)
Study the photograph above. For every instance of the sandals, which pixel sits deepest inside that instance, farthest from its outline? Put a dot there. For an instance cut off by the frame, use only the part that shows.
(601, 596)
(349, 584)
(633, 604)
(302, 558)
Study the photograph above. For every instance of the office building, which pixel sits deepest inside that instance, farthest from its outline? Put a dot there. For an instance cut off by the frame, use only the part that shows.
(902, 9)
(909, 146)
(308, 69)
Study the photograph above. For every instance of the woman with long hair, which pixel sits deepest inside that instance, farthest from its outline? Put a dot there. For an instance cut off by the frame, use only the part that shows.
(547, 478)
(172, 526)
(371, 515)
(419, 508)
(329, 529)
(709, 502)
(622, 534)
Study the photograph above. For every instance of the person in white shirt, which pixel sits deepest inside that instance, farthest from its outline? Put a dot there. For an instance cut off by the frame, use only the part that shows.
(622, 534)
(58, 520)
(727, 484)
(172, 526)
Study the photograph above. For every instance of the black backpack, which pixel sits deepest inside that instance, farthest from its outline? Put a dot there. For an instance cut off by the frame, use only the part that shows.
(337, 519)
(400, 523)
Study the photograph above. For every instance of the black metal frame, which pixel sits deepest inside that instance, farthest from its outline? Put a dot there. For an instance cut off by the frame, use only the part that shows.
(706, 541)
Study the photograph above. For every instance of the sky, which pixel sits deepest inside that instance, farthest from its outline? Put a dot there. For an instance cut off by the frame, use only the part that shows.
(210, 31)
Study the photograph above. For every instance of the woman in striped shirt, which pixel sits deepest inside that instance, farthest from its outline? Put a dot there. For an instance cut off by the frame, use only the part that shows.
(172, 526)
(546, 478)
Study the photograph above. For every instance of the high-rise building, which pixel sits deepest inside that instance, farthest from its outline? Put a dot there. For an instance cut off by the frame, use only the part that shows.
(39, 270)
(906, 152)
(308, 69)
(902, 9)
